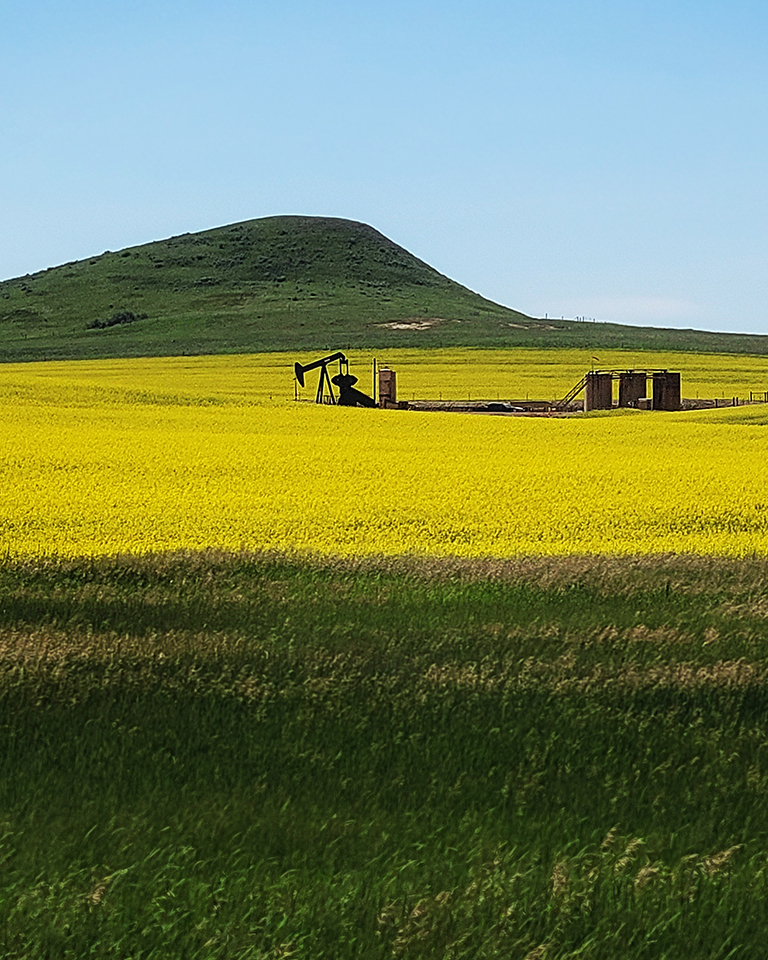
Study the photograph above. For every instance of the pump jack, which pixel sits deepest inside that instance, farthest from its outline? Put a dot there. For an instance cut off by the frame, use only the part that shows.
(344, 380)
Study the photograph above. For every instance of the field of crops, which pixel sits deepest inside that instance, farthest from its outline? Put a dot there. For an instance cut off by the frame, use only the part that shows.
(151, 455)
(352, 716)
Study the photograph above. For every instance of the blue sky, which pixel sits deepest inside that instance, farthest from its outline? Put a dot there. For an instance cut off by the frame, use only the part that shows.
(604, 158)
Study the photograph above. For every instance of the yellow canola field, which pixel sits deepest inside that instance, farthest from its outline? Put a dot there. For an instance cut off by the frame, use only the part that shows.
(147, 455)
(421, 374)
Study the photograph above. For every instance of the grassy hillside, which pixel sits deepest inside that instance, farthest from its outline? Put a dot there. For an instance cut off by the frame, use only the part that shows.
(281, 283)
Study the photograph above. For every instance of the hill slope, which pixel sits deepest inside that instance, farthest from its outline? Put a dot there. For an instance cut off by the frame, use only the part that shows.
(281, 283)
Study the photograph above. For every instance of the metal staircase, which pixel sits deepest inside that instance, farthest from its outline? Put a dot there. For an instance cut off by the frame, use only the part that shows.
(572, 393)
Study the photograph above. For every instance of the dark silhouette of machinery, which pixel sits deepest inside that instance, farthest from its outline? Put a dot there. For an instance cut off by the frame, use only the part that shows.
(349, 396)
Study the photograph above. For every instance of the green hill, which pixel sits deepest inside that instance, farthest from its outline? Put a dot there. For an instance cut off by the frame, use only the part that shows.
(281, 283)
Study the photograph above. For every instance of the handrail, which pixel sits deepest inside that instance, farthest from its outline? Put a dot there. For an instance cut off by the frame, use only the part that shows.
(572, 393)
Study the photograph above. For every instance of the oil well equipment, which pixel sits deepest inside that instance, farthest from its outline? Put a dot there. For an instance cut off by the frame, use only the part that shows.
(344, 381)
(646, 389)
(633, 390)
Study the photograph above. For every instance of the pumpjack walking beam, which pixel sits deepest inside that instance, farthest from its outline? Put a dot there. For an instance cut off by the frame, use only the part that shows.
(348, 395)
(325, 379)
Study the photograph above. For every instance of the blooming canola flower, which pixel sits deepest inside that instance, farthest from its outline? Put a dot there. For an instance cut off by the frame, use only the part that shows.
(104, 457)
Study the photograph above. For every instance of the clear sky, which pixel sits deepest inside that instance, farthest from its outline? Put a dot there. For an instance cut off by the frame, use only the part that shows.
(601, 158)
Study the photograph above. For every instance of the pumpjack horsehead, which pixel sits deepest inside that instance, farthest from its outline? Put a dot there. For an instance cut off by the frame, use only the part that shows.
(344, 380)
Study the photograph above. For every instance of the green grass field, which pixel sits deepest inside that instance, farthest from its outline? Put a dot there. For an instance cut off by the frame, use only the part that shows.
(250, 756)
(284, 283)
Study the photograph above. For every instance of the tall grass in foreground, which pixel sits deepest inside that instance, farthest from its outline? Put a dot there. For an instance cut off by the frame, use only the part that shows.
(250, 756)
